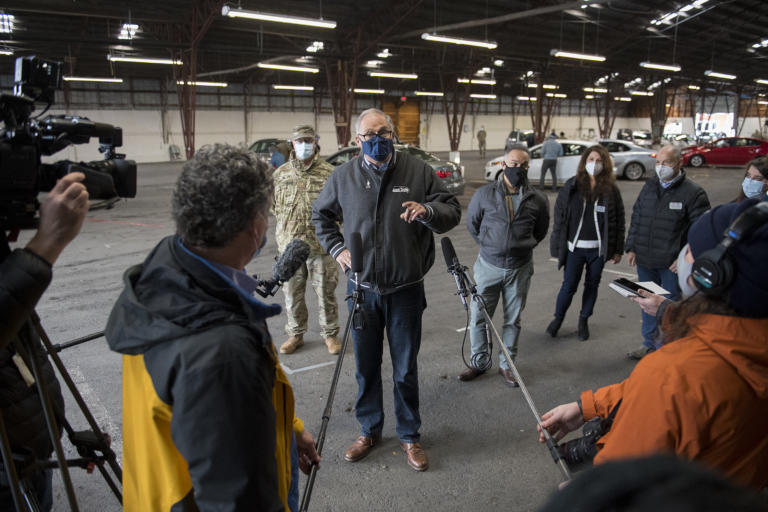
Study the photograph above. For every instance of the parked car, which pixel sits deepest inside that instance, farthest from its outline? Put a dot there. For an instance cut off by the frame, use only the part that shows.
(261, 148)
(629, 160)
(517, 137)
(642, 138)
(680, 139)
(725, 151)
(450, 174)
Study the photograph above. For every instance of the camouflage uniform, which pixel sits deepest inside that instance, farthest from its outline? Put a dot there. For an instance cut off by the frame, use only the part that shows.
(296, 187)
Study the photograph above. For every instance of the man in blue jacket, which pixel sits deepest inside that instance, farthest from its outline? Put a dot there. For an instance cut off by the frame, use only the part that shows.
(551, 150)
(507, 219)
(395, 202)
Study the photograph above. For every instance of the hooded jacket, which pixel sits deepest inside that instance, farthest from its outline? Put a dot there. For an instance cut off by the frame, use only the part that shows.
(207, 412)
(703, 397)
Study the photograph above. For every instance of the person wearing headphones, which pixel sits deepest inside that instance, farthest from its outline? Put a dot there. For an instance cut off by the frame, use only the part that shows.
(704, 394)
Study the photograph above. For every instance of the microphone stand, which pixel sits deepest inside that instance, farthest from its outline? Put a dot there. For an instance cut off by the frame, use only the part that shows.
(356, 315)
(459, 271)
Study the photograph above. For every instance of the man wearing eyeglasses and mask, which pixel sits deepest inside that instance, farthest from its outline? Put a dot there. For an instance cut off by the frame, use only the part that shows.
(395, 201)
(507, 219)
(298, 182)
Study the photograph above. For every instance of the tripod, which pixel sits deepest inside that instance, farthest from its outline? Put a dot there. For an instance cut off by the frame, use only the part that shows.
(357, 319)
(466, 287)
(87, 442)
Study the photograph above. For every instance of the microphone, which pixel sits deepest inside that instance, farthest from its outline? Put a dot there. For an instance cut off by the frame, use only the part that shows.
(294, 256)
(454, 267)
(356, 252)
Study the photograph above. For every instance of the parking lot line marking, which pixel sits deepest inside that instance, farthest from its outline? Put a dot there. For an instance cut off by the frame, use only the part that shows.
(626, 274)
(461, 330)
(287, 370)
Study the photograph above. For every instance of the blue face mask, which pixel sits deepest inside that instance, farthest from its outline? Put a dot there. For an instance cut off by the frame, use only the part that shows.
(378, 148)
(304, 150)
(263, 243)
(752, 188)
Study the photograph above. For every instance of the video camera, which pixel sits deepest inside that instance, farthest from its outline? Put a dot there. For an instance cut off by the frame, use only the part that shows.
(23, 140)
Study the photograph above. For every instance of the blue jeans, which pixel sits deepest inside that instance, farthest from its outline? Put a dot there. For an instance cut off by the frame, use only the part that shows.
(575, 263)
(512, 286)
(400, 314)
(548, 164)
(667, 280)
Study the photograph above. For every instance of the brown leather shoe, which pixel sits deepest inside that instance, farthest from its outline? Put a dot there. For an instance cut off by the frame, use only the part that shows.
(332, 342)
(470, 374)
(417, 458)
(508, 377)
(360, 448)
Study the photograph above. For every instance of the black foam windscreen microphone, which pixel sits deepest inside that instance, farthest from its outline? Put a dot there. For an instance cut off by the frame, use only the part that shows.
(454, 267)
(356, 252)
(294, 256)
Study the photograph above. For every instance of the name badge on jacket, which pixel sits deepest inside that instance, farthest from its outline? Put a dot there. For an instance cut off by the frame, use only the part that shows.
(600, 208)
(675, 205)
(401, 188)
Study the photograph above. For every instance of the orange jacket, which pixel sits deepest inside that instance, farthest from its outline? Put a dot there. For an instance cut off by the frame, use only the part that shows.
(703, 397)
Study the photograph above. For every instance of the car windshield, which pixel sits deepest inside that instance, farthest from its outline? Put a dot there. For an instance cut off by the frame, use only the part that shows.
(427, 157)
(262, 146)
(641, 135)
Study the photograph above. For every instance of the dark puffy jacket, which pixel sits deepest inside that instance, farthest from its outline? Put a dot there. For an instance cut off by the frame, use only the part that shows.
(661, 218)
(506, 244)
(396, 254)
(24, 276)
(569, 209)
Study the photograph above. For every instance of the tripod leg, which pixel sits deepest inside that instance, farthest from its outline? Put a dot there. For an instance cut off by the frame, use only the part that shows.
(10, 466)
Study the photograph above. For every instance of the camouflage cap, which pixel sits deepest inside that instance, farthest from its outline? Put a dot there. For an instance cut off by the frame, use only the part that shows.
(303, 130)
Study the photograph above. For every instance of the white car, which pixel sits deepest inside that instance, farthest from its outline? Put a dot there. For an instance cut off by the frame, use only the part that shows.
(629, 161)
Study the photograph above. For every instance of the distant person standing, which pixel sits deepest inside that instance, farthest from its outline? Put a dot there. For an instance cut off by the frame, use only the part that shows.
(276, 158)
(297, 185)
(550, 152)
(481, 141)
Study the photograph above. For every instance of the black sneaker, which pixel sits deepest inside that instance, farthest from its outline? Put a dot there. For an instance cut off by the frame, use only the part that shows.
(640, 352)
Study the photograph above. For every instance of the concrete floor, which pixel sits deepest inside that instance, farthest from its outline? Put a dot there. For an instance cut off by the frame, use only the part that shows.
(480, 436)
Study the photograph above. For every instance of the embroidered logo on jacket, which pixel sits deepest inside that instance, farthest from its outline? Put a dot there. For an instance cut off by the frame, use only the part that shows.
(401, 188)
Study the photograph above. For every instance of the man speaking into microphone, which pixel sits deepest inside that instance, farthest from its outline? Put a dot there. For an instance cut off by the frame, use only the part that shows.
(395, 202)
(507, 219)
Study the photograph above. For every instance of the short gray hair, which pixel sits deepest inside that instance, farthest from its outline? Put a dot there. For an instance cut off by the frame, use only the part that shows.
(219, 193)
(373, 111)
(674, 151)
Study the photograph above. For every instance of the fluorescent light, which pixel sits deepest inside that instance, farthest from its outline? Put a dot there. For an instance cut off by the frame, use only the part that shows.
(6, 23)
(277, 18)
(761, 81)
(315, 47)
(574, 55)
(485, 96)
(596, 90)
(203, 84)
(545, 86)
(293, 87)
(428, 93)
(694, 87)
(6, 52)
(382, 74)
(457, 40)
(369, 91)
(640, 93)
(622, 98)
(526, 98)
(92, 79)
(128, 31)
(556, 95)
(498, 63)
(762, 102)
(589, 97)
(384, 54)
(143, 60)
(715, 74)
(665, 67)
(476, 81)
(303, 69)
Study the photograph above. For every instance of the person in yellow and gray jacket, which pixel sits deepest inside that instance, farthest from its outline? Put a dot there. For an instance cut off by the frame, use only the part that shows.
(208, 415)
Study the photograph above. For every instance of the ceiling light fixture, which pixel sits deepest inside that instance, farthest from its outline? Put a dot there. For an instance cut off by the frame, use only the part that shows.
(664, 67)
(92, 79)
(545, 86)
(498, 63)
(574, 55)
(715, 74)
(203, 84)
(458, 40)
(6, 23)
(483, 96)
(428, 93)
(694, 87)
(293, 87)
(266, 65)
(277, 18)
(622, 98)
(476, 81)
(384, 54)
(369, 91)
(128, 31)
(526, 98)
(762, 102)
(641, 93)
(589, 97)
(556, 95)
(405, 76)
(145, 60)
(760, 81)
(596, 90)
(315, 47)
(6, 52)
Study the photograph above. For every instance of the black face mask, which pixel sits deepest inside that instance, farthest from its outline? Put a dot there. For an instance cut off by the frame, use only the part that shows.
(515, 175)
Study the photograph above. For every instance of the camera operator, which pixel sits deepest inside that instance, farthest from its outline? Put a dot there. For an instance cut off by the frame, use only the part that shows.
(704, 395)
(24, 276)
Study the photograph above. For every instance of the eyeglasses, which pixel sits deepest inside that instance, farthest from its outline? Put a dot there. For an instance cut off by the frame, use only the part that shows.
(384, 134)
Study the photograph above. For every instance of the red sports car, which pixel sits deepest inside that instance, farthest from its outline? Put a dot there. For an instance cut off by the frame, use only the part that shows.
(727, 151)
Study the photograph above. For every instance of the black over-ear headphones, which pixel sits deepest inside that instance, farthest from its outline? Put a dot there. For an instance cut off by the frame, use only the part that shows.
(713, 271)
